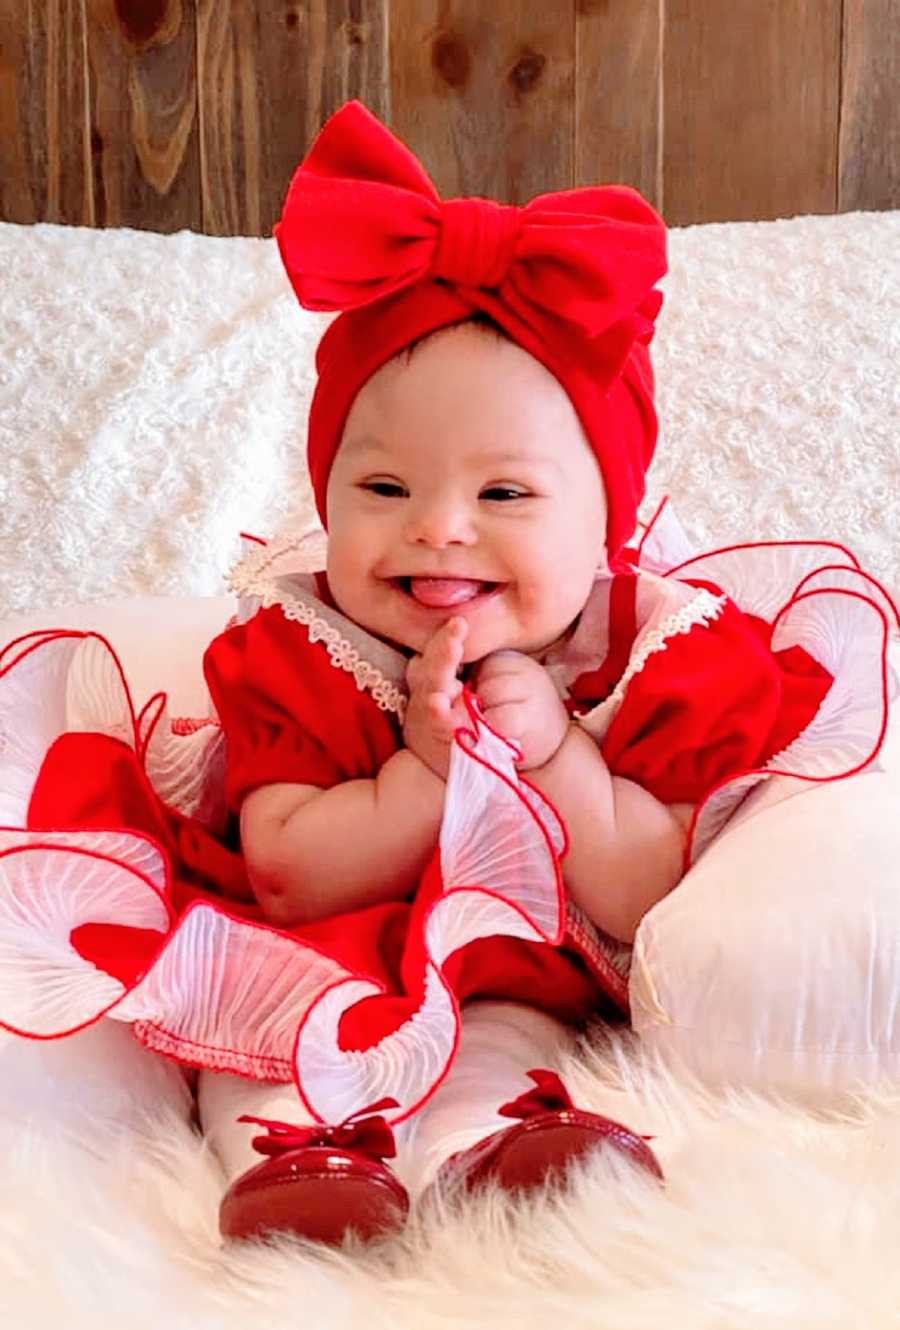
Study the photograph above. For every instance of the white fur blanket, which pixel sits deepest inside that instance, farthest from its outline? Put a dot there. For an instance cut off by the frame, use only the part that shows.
(770, 1218)
(154, 391)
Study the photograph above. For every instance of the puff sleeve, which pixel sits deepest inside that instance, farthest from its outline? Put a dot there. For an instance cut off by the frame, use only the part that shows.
(288, 713)
(715, 702)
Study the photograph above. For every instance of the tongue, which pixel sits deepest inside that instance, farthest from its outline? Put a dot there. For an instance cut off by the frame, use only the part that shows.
(439, 592)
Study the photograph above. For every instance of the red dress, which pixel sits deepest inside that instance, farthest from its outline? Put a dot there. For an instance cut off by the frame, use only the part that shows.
(123, 891)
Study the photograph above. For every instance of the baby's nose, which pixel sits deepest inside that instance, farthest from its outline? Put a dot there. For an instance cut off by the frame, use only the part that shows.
(439, 522)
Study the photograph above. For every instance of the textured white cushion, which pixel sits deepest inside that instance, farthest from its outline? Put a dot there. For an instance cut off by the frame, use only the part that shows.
(154, 391)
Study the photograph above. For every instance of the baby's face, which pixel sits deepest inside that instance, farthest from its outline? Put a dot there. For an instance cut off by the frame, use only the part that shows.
(464, 485)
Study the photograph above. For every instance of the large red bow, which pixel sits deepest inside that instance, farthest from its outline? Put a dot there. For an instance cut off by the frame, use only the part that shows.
(362, 219)
(365, 1131)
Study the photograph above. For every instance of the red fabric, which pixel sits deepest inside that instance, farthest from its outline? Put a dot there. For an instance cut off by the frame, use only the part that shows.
(716, 702)
(547, 1095)
(594, 686)
(299, 708)
(570, 277)
(288, 713)
(93, 781)
(119, 949)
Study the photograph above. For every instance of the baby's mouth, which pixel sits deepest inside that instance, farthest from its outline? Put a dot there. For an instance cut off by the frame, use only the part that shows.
(444, 592)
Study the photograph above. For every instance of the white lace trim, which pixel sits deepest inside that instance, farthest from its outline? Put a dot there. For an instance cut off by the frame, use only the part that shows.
(702, 609)
(251, 577)
(343, 654)
(307, 546)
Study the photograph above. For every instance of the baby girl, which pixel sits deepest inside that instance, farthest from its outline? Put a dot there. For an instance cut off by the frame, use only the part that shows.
(467, 755)
(466, 517)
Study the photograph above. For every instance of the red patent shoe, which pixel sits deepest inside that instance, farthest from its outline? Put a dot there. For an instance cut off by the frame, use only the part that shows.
(319, 1182)
(552, 1134)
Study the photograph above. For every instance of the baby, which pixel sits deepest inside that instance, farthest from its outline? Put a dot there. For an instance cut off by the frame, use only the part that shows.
(409, 926)
(478, 441)
(465, 516)
(474, 498)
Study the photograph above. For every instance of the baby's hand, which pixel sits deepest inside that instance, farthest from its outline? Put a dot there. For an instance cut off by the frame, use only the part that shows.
(520, 702)
(434, 710)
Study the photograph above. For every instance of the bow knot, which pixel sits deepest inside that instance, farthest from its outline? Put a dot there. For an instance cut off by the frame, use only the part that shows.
(548, 1096)
(362, 220)
(364, 1131)
(477, 241)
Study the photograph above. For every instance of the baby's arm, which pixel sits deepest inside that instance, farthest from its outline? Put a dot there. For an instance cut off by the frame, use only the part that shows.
(626, 847)
(312, 852)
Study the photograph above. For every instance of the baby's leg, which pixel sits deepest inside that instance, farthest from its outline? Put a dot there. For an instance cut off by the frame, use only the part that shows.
(320, 1202)
(222, 1098)
(500, 1043)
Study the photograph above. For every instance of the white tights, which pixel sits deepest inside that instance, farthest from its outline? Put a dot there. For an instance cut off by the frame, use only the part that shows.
(499, 1043)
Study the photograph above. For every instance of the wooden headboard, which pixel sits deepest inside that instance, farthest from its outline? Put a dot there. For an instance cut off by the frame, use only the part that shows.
(164, 114)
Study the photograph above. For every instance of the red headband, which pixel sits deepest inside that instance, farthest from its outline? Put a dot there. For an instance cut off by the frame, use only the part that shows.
(569, 277)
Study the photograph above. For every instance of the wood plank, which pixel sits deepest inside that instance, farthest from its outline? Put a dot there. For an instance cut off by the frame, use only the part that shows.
(869, 177)
(143, 100)
(356, 43)
(618, 90)
(270, 74)
(750, 109)
(44, 155)
(485, 95)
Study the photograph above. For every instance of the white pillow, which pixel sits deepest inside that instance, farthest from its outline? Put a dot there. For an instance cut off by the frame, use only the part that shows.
(775, 964)
(160, 641)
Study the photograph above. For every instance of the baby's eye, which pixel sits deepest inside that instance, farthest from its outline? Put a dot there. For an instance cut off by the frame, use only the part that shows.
(386, 489)
(503, 493)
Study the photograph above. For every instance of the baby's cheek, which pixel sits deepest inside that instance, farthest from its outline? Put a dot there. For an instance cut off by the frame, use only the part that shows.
(542, 604)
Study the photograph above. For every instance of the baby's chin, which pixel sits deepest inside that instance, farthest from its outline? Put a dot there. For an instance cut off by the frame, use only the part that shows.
(479, 643)
(483, 638)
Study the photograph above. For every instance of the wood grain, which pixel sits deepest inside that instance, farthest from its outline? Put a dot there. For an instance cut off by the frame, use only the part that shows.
(44, 154)
(750, 109)
(143, 122)
(484, 95)
(618, 88)
(194, 113)
(269, 76)
(869, 176)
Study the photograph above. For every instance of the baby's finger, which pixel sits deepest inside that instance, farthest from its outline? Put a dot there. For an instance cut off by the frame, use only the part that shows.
(457, 629)
(448, 641)
(413, 672)
(440, 715)
(442, 656)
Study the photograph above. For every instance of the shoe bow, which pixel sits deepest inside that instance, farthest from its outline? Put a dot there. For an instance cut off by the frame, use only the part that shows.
(364, 1131)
